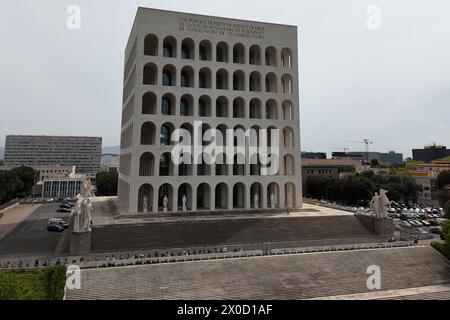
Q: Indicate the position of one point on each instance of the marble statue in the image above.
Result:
(184, 200)
(165, 203)
(385, 203)
(145, 204)
(374, 205)
(256, 201)
(380, 204)
(272, 200)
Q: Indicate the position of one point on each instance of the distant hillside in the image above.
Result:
(2, 153)
(111, 150)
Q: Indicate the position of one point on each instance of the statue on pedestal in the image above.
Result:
(145, 204)
(184, 200)
(165, 203)
(256, 200)
(380, 204)
(272, 200)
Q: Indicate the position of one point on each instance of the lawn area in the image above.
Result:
(45, 284)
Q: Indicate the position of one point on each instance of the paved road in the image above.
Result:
(31, 238)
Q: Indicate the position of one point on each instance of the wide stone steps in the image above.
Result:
(300, 276)
(115, 238)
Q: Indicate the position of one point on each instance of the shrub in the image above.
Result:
(46, 284)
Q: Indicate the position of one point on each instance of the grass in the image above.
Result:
(442, 248)
(45, 284)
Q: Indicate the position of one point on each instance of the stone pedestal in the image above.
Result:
(80, 243)
(383, 226)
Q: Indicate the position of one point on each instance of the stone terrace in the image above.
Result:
(204, 233)
(275, 277)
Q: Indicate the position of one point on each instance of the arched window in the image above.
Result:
(187, 77)
(168, 105)
(255, 81)
(170, 47)
(187, 105)
(165, 165)
(146, 165)
(222, 52)
(289, 195)
(166, 134)
(149, 103)
(286, 83)
(255, 55)
(289, 165)
(166, 191)
(145, 192)
(221, 196)
(205, 50)
(204, 78)
(286, 58)
(288, 137)
(169, 75)
(222, 79)
(239, 196)
(150, 74)
(255, 109)
(271, 57)
(222, 107)
(288, 111)
(151, 45)
(239, 53)
(187, 49)
(271, 109)
(204, 197)
(148, 134)
(204, 106)
(271, 82)
(238, 108)
(239, 80)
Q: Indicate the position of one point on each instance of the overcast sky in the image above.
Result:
(390, 85)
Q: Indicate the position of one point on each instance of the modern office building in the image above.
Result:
(195, 73)
(357, 155)
(81, 152)
(430, 153)
(314, 155)
(391, 157)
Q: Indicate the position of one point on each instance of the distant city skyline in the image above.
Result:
(388, 85)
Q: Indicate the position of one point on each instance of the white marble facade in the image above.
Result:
(226, 73)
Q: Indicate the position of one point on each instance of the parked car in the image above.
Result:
(426, 223)
(55, 228)
(64, 210)
(405, 224)
(59, 222)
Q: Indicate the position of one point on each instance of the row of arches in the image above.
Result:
(149, 166)
(238, 53)
(238, 82)
(240, 108)
(216, 197)
(148, 135)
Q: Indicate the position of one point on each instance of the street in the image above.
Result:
(31, 238)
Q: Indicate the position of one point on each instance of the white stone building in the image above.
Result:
(225, 73)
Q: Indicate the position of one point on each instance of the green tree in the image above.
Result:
(106, 183)
(16, 183)
(443, 179)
